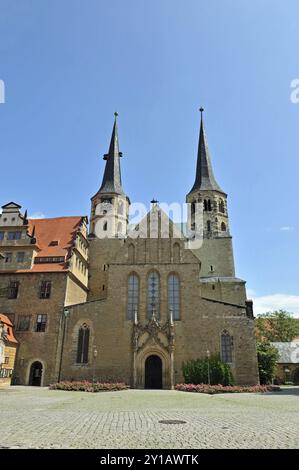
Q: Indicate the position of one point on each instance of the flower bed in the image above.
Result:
(213, 389)
(84, 386)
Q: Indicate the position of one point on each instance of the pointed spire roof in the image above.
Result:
(112, 176)
(204, 179)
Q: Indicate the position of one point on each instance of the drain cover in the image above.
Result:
(172, 421)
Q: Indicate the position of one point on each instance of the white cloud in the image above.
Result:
(37, 215)
(286, 228)
(266, 303)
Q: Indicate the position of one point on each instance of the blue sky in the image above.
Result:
(68, 65)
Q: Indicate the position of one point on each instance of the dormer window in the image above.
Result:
(54, 243)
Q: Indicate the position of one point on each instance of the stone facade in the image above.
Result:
(130, 306)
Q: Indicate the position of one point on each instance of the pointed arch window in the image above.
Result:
(226, 347)
(223, 227)
(83, 344)
(174, 295)
(153, 295)
(209, 205)
(133, 296)
(221, 206)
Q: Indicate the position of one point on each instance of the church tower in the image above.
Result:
(209, 202)
(110, 205)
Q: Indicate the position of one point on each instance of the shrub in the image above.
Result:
(267, 356)
(213, 389)
(85, 386)
(196, 371)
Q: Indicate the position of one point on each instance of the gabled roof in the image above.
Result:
(288, 352)
(12, 205)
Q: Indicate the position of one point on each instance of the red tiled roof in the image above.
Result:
(61, 229)
(8, 324)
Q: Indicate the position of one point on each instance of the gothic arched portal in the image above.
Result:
(153, 372)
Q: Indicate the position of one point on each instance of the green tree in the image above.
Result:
(278, 325)
(267, 356)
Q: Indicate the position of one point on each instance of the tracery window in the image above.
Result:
(153, 294)
(226, 347)
(133, 296)
(83, 344)
(174, 295)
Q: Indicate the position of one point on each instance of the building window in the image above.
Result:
(205, 205)
(13, 289)
(6, 360)
(226, 347)
(8, 257)
(41, 322)
(208, 225)
(23, 323)
(105, 227)
(223, 227)
(48, 259)
(153, 295)
(209, 205)
(221, 206)
(83, 345)
(45, 290)
(133, 296)
(174, 295)
(14, 235)
(2, 235)
(20, 257)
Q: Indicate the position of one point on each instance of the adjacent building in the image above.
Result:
(287, 369)
(8, 349)
(44, 269)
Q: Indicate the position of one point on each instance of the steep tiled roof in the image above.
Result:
(58, 229)
(46, 231)
(7, 326)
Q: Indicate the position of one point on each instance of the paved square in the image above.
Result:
(33, 417)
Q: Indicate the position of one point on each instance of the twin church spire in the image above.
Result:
(204, 179)
(205, 188)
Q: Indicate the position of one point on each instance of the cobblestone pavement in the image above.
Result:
(34, 417)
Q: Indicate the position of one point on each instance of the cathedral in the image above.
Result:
(103, 299)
